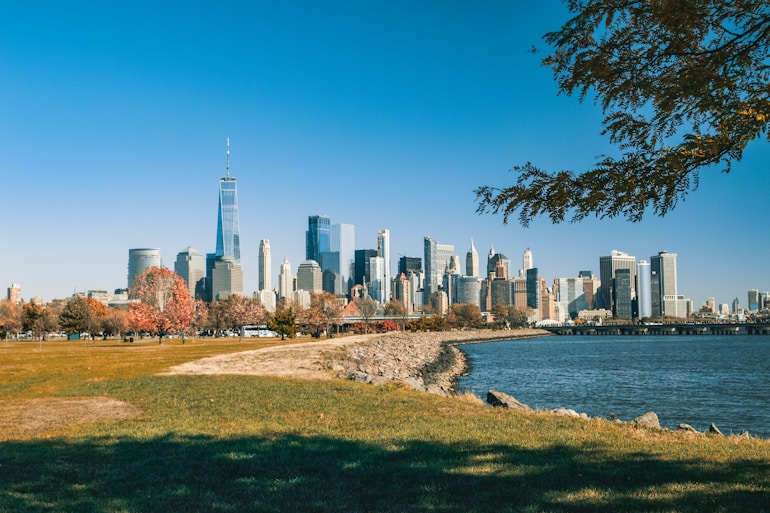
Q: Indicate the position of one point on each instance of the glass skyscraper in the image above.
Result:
(317, 237)
(228, 231)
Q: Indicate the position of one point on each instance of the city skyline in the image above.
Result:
(376, 116)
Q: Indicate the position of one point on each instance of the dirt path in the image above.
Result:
(302, 361)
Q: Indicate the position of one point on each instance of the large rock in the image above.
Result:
(649, 419)
(714, 430)
(504, 400)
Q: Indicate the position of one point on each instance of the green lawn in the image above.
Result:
(239, 443)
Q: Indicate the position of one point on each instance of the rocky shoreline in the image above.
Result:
(426, 361)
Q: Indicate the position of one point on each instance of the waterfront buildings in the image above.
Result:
(608, 267)
(191, 266)
(265, 266)
(140, 259)
(663, 269)
(644, 292)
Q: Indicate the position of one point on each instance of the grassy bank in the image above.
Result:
(241, 443)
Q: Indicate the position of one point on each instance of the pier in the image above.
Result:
(662, 329)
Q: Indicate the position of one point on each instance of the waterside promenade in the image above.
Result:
(663, 329)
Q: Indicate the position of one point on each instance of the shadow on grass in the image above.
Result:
(293, 473)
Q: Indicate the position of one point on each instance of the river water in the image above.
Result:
(696, 380)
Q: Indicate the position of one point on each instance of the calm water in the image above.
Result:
(684, 379)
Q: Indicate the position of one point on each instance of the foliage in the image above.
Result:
(233, 312)
(116, 322)
(10, 318)
(368, 308)
(284, 322)
(82, 314)
(463, 315)
(683, 86)
(509, 316)
(163, 303)
(325, 310)
(433, 323)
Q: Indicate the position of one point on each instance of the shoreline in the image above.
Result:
(426, 361)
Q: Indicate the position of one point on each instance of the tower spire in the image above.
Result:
(228, 158)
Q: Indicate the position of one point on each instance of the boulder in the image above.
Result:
(649, 420)
(565, 412)
(504, 400)
(688, 428)
(714, 430)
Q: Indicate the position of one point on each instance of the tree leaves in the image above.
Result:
(684, 87)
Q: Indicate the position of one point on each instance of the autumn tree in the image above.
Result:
(462, 315)
(324, 311)
(235, 311)
(509, 316)
(368, 308)
(82, 314)
(397, 310)
(162, 302)
(684, 86)
(116, 322)
(10, 318)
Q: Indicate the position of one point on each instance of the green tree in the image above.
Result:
(284, 322)
(77, 315)
(683, 85)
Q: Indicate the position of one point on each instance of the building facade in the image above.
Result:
(228, 228)
(226, 278)
(140, 259)
(265, 266)
(310, 277)
(317, 237)
(437, 259)
(191, 266)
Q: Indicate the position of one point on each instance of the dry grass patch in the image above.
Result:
(34, 417)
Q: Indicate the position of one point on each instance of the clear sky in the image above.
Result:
(114, 117)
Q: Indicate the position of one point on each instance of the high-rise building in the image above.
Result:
(228, 228)
(469, 290)
(140, 259)
(401, 292)
(570, 296)
(498, 259)
(317, 237)
(285, 280)
(377, 282)
(265, 266)
(14, 293)
(533, 291)
(226, 278)
(343, 242)
(526, 260)
(437, 257)
(622, 294)
(310, 277)
(663, 265)
(409, 264)
(383, 251)
(644, 289)
(472, 261)
(361, 267)
(608, 266)
(191, 267)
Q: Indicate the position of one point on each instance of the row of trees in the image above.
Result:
(162, 306)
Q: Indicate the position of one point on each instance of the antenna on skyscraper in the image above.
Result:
(228, 158)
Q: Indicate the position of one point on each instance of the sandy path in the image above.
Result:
(302, 361)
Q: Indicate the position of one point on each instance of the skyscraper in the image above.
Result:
(437, 257)
(383, 251)
(265, 265)
(285, 280)
(317, 237)
(310, 277)
(608, 266)
(140, 259)
(644, 292)
(526, 260)
(228, 230)
(664, 266)
(472, 261)
(341, 257)
(226, 278)
(191, 267)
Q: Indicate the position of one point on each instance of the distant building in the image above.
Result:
(343, 243)
(644, 289)
(317, 237)
(570, 296)
(472, 261)
(310, 277)
(437, 257)
(608, 267)
(469, 290)
(226, 278)
(361, 274)
(267, 298)
(753, 296)
(409, 264)
(285, 280)
(383, 251)
(497, 259)
(191, 267)
(377, 288)
(664, 266)
(14, 293)
(401, 292)
(533, 291)
(526, 260)
(228, 227)
(140, 259)
(265, 266)
(622, 294)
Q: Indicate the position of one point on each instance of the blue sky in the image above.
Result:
(114, 117)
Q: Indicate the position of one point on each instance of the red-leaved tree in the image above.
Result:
(163, 304)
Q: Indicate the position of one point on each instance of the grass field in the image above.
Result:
(245, 443)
